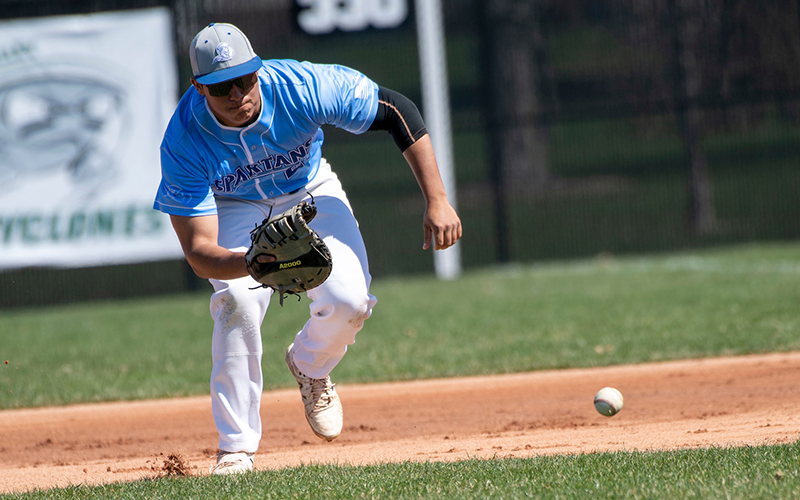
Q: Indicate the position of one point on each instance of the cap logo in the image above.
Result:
(224, 53)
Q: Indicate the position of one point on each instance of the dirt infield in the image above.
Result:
(747, 400)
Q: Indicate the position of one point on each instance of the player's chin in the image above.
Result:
(241, 115)
(241, 110)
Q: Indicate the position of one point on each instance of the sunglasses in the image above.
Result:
(222, 89)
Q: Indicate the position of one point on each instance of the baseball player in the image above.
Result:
(245, 142)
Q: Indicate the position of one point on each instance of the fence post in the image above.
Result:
(436, 105)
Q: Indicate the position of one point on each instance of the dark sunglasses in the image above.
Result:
(222, 89)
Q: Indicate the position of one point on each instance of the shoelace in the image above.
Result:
(317, 390)
(225, 465)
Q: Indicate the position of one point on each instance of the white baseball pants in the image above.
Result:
(337, 311)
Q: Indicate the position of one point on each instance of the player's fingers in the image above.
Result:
(447, 240)
(444, 240)
(456, 233)
(263, 259)
(427, 238)
(439, 238)
(449, 236)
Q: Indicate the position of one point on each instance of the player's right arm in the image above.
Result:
(198, 237)
(185, 195)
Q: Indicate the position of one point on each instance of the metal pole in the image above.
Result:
(436, 105)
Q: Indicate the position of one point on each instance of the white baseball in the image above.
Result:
(608, 401)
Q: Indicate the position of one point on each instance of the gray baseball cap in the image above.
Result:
(221, 52)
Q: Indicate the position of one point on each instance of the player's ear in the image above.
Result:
(200, 88)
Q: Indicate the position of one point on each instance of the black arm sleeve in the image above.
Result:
(398, 115)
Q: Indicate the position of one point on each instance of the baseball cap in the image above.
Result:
(221, 52)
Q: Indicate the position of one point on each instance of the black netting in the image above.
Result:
(580, 127)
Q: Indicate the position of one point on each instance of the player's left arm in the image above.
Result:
(347, 100)
(401, 118)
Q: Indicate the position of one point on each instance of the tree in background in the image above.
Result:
(516, 72)
(692, 23)
(714, 63)
(760, 58)
(517, 77)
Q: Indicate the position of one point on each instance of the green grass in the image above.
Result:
(600, 311)
(594, 312)
(555, 316)
(766, 472)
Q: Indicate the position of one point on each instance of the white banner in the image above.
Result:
(84, 101)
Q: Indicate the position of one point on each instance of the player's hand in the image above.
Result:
(441, 226)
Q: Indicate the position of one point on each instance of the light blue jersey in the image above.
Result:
(278, 154)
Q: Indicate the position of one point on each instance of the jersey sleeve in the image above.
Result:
(184, 190)
(342, 97)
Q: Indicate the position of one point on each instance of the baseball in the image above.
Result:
(608, 401)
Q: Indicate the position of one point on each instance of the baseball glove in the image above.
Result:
(302, 260)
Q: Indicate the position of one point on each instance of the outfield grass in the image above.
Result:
(763, 472)
(601, 311)
(595, 312)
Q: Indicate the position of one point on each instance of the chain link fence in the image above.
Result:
(579, 128)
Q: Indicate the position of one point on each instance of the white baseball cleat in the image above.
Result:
(232, 462)
(323, 407)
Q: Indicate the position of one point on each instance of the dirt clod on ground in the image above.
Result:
(175, 465)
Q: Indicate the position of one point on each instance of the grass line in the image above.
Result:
(762, 472)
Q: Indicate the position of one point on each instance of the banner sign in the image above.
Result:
(84, 101)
